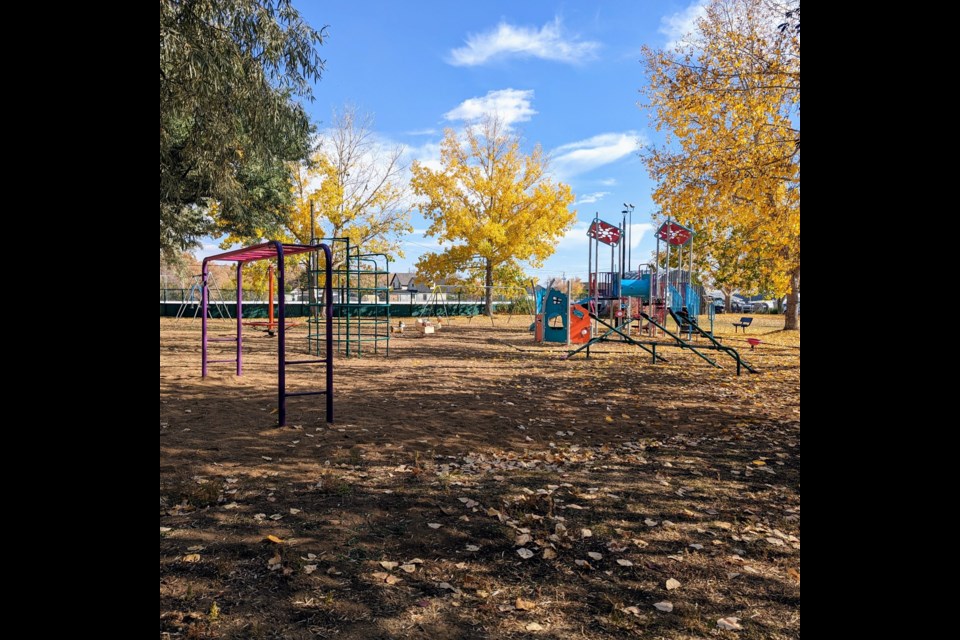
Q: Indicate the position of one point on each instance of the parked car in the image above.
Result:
(760, 306)
(736, 304)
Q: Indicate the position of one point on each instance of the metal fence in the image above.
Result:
(402, 303)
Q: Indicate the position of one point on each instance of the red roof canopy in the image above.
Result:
(260, 252)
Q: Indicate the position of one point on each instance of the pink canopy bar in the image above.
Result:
(259, 252)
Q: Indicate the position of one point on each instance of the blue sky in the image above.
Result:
(566, 75)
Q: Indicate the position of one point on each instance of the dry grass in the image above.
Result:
(679, 470)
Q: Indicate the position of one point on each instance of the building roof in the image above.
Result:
(403, 278)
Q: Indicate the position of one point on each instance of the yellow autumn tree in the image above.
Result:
(353, 187)
(357, 187)
(495, 206)
(728, 100)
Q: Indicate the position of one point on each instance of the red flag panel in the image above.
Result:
(604, 232)
(674, 234)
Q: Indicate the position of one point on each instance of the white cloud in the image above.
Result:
(576, 236)
(427, 154)
(422, 132)
(510, 105)
(582, 156)
(637, 231)
(547, 43)
(590, 198)
(677, 27)
(608, 182)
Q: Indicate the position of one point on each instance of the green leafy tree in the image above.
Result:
(230, 71)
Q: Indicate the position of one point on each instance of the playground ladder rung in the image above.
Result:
(222, 339)
(304, 393)
(306, 361)
(213, 361)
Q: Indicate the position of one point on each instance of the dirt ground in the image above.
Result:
(476, 485)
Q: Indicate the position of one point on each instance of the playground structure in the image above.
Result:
(624, 302)
(270, 325)
(559, 321)
(194, 298)
(278, 250)
(360, 283)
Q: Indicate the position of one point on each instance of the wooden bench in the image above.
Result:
(743, 324)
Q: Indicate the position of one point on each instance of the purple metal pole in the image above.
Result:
(281, 340)
(328, 313)
(239, 318)
(203, 320)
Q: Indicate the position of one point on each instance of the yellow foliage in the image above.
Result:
(729, 105)
(356, 187)
(492, 204)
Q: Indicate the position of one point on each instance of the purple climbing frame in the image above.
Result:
(274, 249)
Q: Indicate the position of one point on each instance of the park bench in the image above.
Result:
(743, 324)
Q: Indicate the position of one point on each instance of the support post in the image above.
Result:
(270, 324)
(281, 342)
(204, 293)
(239, 318)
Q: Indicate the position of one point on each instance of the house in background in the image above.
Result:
(402, 281)
(406, 288)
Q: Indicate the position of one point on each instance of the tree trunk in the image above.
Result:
(727, 301)
(488, 290)
(792, 320)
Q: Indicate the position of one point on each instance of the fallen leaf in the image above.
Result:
(392, 579)
(777, 542)
(309, 568)
(586, 533)
(650, 522)
(267, 458)
(663, 606)
(409, 568)
(275, 562)
(380, 575)
(386, 564)
(594, 555)
(624, 563)
(793, 573)
(166, 529)
(549, 554)
(634, 611)
(583, 563)
(447, 586)
(534, 626)
(672, 584)
(294, 512)
(522, 539)
(472, 547)
(415, 561)
(192, 557)
(274, 539)
(196, 547)
(698, 547)
(434, 525)
(524, 553)
(759, 463)
(729, 624)
(608, 419)
(525, 605)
